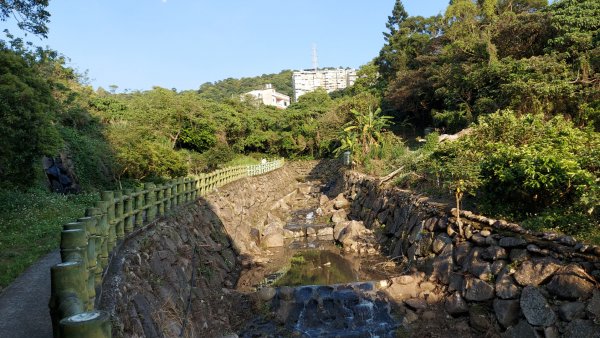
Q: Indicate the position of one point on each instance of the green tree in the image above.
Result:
(31, 15)
(399, 14)
(27, 130)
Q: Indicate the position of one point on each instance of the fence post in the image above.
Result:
(90, 228)
(150, 202)
(95, 215)
(139, 207)
(103, 231)
(109, 198)
(160, 193)
(119, 220)
(66, 287)
(128, 215)
(73, 248)
(93, 324)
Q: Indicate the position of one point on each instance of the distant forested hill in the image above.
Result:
(225, 89)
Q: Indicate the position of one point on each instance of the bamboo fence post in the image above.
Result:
(168, 189)
(139, 207)
(150, 202)
(95, 214)
(128, 211)
(67, 290)
(160, 195)
(119, 220)
(93, 324)
(109, 198)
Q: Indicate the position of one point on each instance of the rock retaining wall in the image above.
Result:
(534, 284)
(184, 269)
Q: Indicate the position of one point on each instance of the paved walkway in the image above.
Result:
(24, 303)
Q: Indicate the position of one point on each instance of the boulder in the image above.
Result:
(507, 311)
(594, 304)
(536, 308)
(416, 303)
(478, 290)
(535, 272)
(442, 265)
(521, 330)
(582, 328)
(327, 231)
(323, 200)
(456, 305)
(571, 310)
(350, 234)
(493, 253)
(339, 216)
(571, 282)
(505, 286)
(479, 318)
(440, 241)
(340, 202)
(338, 228)
(512, 242)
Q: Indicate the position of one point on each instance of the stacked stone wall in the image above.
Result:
(535, 283)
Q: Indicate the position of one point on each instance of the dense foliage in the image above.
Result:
(481, 56)
(525, 77)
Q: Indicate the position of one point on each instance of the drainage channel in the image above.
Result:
(320, 291)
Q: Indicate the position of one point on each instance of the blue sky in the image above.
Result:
(138, 44)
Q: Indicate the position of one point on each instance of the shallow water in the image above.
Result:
(318, 267)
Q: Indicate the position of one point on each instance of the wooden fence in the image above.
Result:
(86, 245)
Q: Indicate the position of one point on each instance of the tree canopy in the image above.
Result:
(30, 15)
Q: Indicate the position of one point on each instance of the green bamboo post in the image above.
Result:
(90, 227)
(160, 193)
(197, 190)
(109, 197)
(139, 207)
(119, 219)
(168, 198)
(181, 191)
(186, 189)
(66, 292)
(102, 229)
(150, 202)
(92, 324)
(128, 212)
(173, 193)
(95, 214)
(73, 248)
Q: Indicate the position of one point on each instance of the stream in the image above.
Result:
(312, 288)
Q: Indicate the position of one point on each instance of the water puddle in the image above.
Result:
(318, 267)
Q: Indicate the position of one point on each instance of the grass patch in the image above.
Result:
(30, 224)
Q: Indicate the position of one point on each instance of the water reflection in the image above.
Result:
(318, 267)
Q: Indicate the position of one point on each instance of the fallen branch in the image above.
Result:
(390, 175)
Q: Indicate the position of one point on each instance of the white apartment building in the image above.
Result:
(305, 81)
(270, 97)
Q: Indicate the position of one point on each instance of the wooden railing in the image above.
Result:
(86, 245)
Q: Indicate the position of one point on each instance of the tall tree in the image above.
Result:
(31, 15)
(399, 14)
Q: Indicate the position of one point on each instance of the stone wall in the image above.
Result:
(533, 283)
(198, 250)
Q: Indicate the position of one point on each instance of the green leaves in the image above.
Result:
(527, 164)
(363, 132)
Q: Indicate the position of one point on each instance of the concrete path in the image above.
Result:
(24, 303)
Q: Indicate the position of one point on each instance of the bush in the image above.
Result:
(524, 165)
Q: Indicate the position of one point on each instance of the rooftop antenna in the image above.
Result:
(315, 60)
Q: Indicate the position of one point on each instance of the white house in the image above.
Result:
(270, 97)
